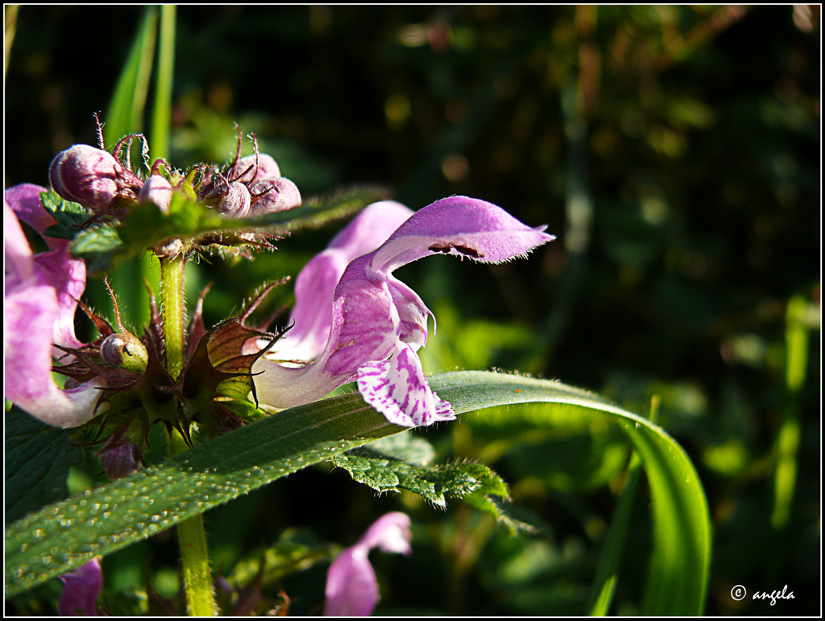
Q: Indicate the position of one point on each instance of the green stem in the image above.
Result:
(172, 305)
(197, 576)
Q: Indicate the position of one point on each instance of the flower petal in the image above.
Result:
(30, 314)
(462, 226)
(81, 589)
(315, 285)
(352, 588)
(399, 390)
(56, 268)
(24, 200)
(390, 532)
(19, 265)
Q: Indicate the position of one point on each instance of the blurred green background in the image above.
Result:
(672, 150)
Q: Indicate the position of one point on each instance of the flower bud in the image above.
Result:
(124, 351)
(120, 460)
(91, 177)
(156, 190)
(235, 203)
(244, 169)
(272, 195)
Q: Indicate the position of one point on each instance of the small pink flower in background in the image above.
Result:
(80, 591)
(352, 588)
(40, 298)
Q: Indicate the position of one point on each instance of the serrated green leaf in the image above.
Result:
(38, 458)
(405, 447)
(433, 484)
(103, 239)
(50, 542)
(68, 215)
(100, 247)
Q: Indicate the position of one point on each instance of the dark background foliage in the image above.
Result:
(672, 150)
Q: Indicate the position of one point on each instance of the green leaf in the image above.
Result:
(125, 114)
(68, 215)
(51, 542)
(162, 106)
(604, 584)
(295, 551)
(317, 211)
(31, 480)
(433, 484)
(405, 447)
(146, 226)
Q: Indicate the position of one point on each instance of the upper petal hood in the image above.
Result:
(462, 226)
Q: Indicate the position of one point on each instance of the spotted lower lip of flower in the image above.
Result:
(375, 324)
(40, 302)
(352, 588)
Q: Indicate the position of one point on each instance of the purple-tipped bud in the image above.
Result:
(245, 171)
(156, 190)
(272, 195)
(236, 202)
(92, 177)
(120, 460)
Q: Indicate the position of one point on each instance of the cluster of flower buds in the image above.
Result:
(252, 186)
(96, 179)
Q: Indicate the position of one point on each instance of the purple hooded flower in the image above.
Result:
(352, 589)
(372, 324)
(40, 299)
(80, 591)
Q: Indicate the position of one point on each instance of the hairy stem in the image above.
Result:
(197, 576)
(172, 305)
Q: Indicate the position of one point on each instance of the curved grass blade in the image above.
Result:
(125, 114)
(66, 534)
(162, 106)
(604, 585)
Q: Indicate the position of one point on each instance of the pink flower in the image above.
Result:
(352, 589)
(40, 296)
(368, 326)
(80, 591)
